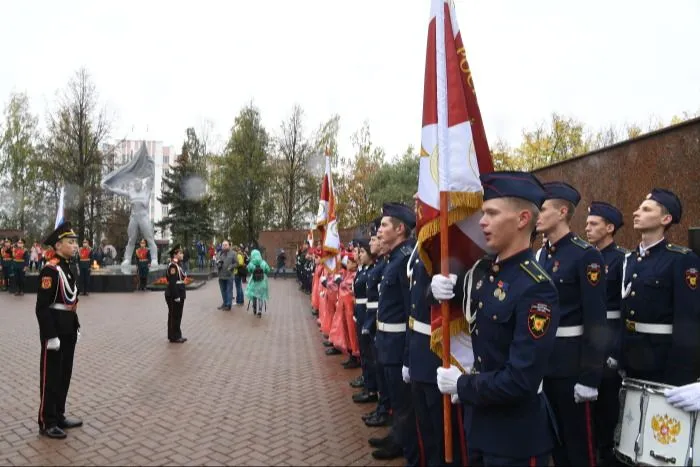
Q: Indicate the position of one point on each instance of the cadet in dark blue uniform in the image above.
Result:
(392, 322)
(661, 299)
(513, 314)
(368, 378)
(576, 367)
(603, 222)
(421, 373)
(579, 356)
(380, 416)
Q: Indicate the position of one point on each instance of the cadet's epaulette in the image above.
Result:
(535, 271)
(580, 243)
(619, 249)
(406, 250)
(678, 249)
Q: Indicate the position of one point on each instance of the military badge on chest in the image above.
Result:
(555, 268)
(538, 319)
(691, 278)
(593, 273)
(500, 292)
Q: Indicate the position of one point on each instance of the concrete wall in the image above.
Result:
(624, 174)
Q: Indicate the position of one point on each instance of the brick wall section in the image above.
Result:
(273, 240)
(624, 174)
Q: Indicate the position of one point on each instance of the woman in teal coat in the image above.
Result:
(257, 288)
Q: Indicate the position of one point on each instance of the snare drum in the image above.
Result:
(650, 431)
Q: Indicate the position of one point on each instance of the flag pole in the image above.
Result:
(445, 309)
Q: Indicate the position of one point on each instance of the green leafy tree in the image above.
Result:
(240, 180)
(395, 181)
(184, 192)
(20, 164)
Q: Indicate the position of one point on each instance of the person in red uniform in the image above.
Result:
(143, 255)
(85, 254)
(21, 263)
(6, 265)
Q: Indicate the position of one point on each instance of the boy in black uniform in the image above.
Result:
(59, 330)
(175, 295)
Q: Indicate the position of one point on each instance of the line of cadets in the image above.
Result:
(553, 332)
(15, 263)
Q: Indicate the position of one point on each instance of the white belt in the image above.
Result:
(613, 314)
(372, 305)
(646, 328)
(180, 282)
(419, 326)
(360, 301)
(570, 331)
(391, 327)
(63, 307)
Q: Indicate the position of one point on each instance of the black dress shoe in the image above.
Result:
(352, 364)
(333, 351)
(380, 442)
(327, 344)
(358, 382)
(53, 432)
(379, 420)
(369, 415)
(345, 362)
(364, 397)
(388, 453)
(70, 422)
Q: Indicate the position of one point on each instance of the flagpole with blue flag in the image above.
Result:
(59, 212)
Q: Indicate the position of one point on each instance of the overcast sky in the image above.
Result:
(169, 65)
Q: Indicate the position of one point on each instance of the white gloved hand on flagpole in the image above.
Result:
(443, 286)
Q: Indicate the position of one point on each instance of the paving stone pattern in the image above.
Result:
(241, 391)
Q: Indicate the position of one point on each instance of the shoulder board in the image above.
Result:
(678, 249)
(580, 243)
(406, 250)
(535, 271)
(619, 249)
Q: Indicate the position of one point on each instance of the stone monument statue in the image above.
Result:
(135, 181)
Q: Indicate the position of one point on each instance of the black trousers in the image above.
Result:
(427, 400)
(19, 275)
(84, 280)
(142, 282)
(576, 422)
(174, 317)
(607, 411)
(404, 428)
(367, 361)
(55, 371)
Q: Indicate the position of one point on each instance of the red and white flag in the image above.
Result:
(454, 152)
(326, 221)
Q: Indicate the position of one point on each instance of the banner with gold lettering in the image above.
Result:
(454, 151)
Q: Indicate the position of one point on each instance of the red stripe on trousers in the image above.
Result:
(589, 435)
(421, 452)
(533, 461)
(43, 389)
(462, 436)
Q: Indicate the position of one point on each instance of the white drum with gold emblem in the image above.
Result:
(650, 431)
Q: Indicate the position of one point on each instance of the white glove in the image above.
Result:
(685, 397)
(443, 286)
(365, 332)
(447, 379)
(455, 399)
(53, 344)
(584, 393)
(405, 374)
(177, 300)
(77, 339)
(612, 363)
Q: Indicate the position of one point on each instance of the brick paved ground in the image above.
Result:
(241, 391)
